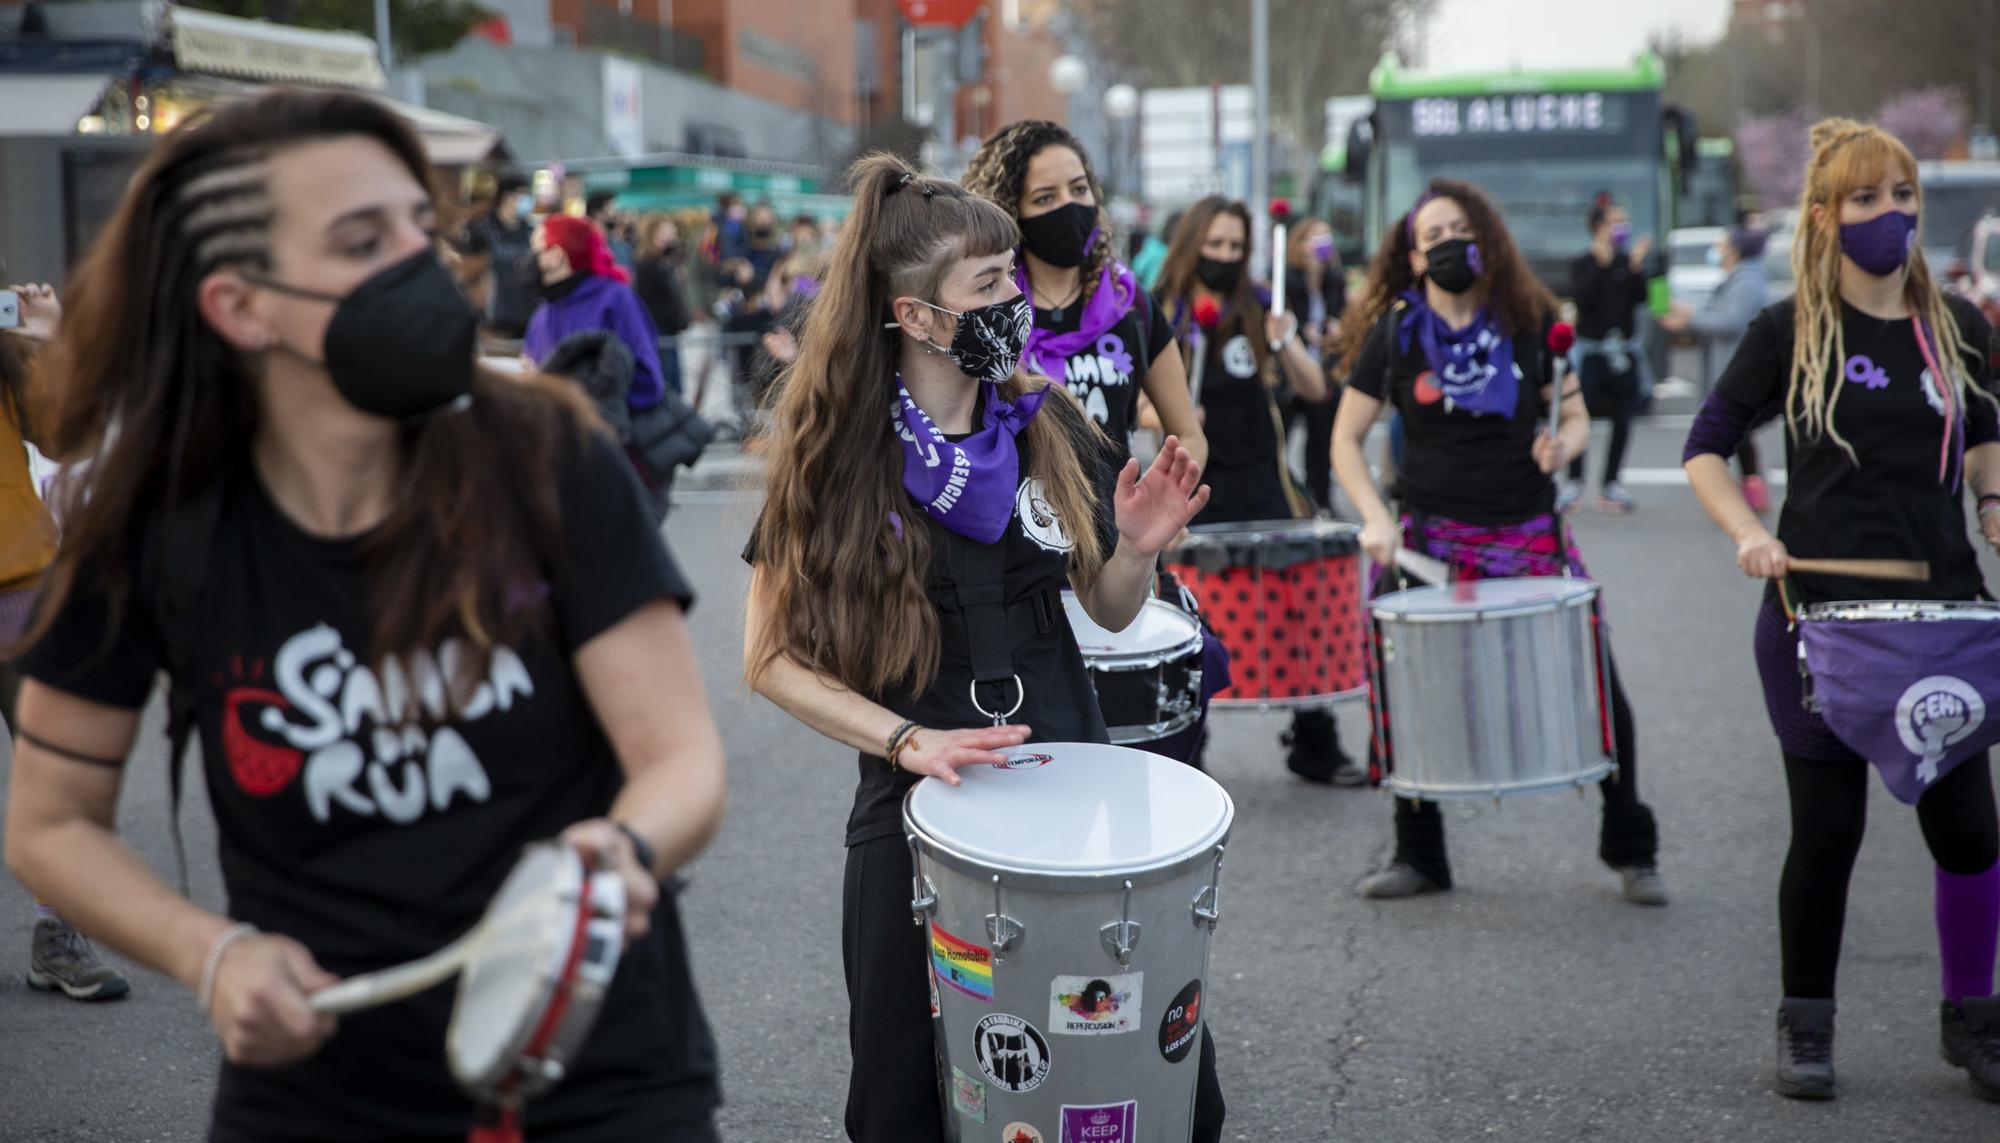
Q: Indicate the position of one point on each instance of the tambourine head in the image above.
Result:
(527, 1001)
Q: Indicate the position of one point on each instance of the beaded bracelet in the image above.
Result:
(897, 740)
(205, 994)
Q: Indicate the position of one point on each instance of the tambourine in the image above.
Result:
(532, 975)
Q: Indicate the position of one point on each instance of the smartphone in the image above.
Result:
(10, 309)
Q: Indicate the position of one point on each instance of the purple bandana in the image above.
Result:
(1473, 367)
(1914, 697)
(968, 486)
(1047, 352)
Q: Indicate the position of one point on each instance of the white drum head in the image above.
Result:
(1483, 596)
(1160, 626)
(1088, 809)
(505, 988)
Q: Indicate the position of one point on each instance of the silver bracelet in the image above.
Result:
(205, 995)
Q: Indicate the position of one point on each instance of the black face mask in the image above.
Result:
(762, 233)
(1219, 276)
(1062, 236)
(1454, 265)
(401, 344)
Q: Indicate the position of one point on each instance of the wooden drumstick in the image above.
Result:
(1431, 571)
(1909, 571)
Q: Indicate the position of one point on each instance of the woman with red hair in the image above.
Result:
(584, 291)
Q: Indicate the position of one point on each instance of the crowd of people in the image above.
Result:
(424, 575)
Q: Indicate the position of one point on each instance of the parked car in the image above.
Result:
(1694, 268)
(1957, 195)
(1981, 280)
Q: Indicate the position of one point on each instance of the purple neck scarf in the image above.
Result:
(1047, 351)
(1473, 367)
(968, 486)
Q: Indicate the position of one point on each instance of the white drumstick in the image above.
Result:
(1432, 571)
(371, 989)
(1200, 360)
(1278, 278)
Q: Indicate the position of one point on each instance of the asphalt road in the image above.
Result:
(1529, 1004)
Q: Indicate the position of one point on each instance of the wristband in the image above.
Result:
(1989, 509)
(642, 850)
(894, 745)
(1989, 498)
(205, 993)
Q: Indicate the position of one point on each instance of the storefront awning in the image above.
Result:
(451, 140)
(47, 104)
(213, 44)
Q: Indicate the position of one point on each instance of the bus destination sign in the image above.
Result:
(1570, 113)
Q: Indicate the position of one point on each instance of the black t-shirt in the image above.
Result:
(1457, 464)
(1059, 701)
(514, 298)
(1889, 505)
(1106, 375)
(1607, 297)
(374, 841)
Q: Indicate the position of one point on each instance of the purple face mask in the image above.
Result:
(1882, 244)
(1621, 233)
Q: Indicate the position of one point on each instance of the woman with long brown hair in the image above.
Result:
(914, 470)
(1884, 381)
(1452, 330)
(417, 613)
(1096, 330)
(1247, 355)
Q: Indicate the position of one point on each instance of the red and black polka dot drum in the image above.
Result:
(1285, 598)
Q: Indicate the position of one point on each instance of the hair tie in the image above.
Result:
(908, 178)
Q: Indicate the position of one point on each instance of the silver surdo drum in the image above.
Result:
(1148, 676)
(1068, 900)
(1490, 688)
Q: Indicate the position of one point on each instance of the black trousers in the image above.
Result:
(1829, 815)
(1628, 835)
(894, 1094)
(1613, 397)
(1318, 418)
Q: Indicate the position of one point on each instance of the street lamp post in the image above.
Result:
(1260, 138)
(1121, 103)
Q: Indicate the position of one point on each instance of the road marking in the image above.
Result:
(1668, 477)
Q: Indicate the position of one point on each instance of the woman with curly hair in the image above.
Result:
(1096, 331)
(1452, 330)
(1884, 382)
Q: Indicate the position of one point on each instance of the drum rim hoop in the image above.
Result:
(1071, 881)
(1115, 662)
(572, 890)
(1980, 609)
(1591, 590)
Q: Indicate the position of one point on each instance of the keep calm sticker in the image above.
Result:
(1106, 1123)
(1095, 1005)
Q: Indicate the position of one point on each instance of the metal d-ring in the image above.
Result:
(1002, 931)
(1122, 935)
(1020, 696)
(923, 896)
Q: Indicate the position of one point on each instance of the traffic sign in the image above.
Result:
(940, 13)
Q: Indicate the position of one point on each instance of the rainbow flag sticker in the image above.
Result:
(962, 965)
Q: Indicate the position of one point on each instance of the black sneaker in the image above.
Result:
(1970, 1038)
(60, 958)
(1805, 1049)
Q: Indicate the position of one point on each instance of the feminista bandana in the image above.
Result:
(1473, 367)
(968, 486)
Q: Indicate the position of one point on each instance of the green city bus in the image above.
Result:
(1543, 145)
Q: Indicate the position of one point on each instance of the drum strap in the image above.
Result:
(979, 574)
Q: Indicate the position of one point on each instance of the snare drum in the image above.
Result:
(1069, 900)
(1148, 676)
(1285, 597)
(1490, 688)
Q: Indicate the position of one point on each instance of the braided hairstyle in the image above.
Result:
(1846, 155)
(999, 172)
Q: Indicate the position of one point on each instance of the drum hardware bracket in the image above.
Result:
(1002, 931)
(999, 719)
(1122, 935)
(923, 895)
(1208, 903)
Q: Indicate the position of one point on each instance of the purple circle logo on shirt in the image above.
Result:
(1862, 370)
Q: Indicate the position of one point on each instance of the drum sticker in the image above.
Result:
(1024, 762)
(1019, 1133)
(1110, 1123)
(930, 977)
(962, 965)
(1039, 521)
(1011, 1053)
(968, 1096)
(1095, 1005)
(1180, 1022)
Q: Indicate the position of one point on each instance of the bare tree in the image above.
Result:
(1319, 49)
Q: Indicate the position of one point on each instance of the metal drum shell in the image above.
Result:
(1063, 915)
(1130, 683)
(1487, 701)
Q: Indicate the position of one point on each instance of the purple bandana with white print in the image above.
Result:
(1473, 367)
(1914, 697)
(968, 486)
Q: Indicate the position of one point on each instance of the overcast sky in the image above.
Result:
(1490, 34)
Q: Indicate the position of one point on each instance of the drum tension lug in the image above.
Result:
(1002, 931)
(923, 895)
(1208, 902)
(1122, 935)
